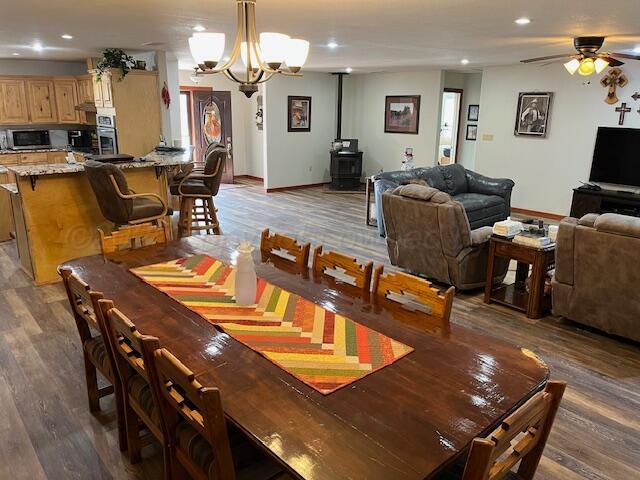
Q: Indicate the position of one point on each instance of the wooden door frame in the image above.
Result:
(461, 92)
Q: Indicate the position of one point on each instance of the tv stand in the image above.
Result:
(604, 201)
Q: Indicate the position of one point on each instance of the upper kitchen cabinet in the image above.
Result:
(13, 101)
(102, 91)
(66, 100)
(42, 104)
(85, 89)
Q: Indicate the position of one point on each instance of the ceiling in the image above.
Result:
(374, 35)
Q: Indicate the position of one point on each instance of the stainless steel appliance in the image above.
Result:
(28, 139)
(107, 137)
(84, 140)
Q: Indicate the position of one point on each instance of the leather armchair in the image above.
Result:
(598, 272)
(428, 233)
(485, 200)
(117, 202)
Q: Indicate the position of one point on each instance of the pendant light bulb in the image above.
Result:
(587, 67)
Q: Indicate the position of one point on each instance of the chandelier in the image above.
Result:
(263, 56)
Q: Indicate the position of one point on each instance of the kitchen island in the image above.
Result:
(56, 215)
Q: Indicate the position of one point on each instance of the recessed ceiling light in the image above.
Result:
(15, 54)
(37, 46)
(199, 28)
(464, 61)
(66, 36)
(349, 70)
(332, 45)
(523, 21)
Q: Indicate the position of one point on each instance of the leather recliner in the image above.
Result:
(428, 233)
(485, 200)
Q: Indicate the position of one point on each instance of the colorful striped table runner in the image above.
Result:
(324, 350)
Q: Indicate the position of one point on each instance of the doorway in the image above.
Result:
(449, 126)
(205, 119)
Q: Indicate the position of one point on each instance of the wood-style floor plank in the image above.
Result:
(47, 431)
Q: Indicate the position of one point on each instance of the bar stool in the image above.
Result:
(200, 185)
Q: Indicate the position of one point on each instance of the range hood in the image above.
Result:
(86, 107)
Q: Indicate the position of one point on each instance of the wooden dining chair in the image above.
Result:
(415, 292)
(201, 445)
(343, 268)
(277, 244)
(138, 398)
(135, 236)
(521, 437)
(97, 355)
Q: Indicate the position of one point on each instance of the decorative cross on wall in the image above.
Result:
(612, 80)
(623, 109)
(635, 96)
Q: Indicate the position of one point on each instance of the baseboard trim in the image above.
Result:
(296, 187)
(250, 177)
(535, 213)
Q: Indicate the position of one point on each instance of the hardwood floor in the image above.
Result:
(46, 430)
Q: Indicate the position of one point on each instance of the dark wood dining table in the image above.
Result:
(406, 421)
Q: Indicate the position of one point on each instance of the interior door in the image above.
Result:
(212, 122)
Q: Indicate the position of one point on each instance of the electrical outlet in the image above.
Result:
(487, 137)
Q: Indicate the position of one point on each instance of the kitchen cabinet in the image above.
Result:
(13, 101)
(102, 91)
(66, 92)
(9, 159)
(85, 89)
(42, 103)
(6, 217)
(56, 157)
(34, 158)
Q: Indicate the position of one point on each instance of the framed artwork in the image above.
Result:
(532, 116)
(472, 132)
(474, 113)
(402, 114)
(299, 112)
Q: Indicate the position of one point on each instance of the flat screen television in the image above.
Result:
(616, 157)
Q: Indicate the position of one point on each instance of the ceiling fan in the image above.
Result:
(587, 60)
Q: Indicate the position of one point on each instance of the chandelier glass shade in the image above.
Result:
(262, 56)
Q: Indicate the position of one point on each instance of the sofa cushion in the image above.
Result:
(140, 391)
(477, 201)
(97, 351)
(588, 220)
(420, 192)
(455, 179)
(618, 224)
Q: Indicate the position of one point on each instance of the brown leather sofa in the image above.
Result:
(428, 233)
(598, 273)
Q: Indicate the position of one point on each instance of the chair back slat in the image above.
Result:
(273, 244)
(134, 236)
(126, 341)
(343, 268)
(521, 437)
(201, 407)
(402, 286)
(83, 303)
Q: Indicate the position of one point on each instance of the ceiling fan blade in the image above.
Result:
(625, 55)
(613, 62)
(550, 57)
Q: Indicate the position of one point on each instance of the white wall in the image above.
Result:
(167, 65)
(472, 86)
(546, 170)
(41, 67)
(363, 117)
(299, 158)
(240, 109)
(255, 157)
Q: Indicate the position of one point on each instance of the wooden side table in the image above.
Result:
(368, 193)
(533, 303)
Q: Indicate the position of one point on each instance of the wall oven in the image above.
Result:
(107, 137)
(28, 139)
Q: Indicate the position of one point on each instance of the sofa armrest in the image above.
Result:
(489, 186)
(480, 235)
(565, 251)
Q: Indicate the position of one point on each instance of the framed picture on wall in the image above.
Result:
(472, 132)
(402, 114)
(299, 112)
(473, 113)
(532, 116)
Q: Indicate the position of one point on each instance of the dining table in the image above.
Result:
(408, 420)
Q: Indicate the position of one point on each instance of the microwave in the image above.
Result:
(28, 139)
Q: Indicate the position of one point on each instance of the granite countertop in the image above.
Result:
(152, 159)
(10, 187)
(35, 150)
(3, 169)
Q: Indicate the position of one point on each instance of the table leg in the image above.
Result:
(368, 187)
(522, 272)
(536, 287)
(490, 263)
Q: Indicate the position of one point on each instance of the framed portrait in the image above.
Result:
(402, 114)
(532, 116)
(299, 111)
(473, 114)
(472, 132)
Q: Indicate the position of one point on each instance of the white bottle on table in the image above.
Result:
(246, 280)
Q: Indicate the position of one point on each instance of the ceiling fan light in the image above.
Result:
(274, 47)
(206, 47)
(601, 64)
(587, 67)
(572, 65)
(297, 53)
